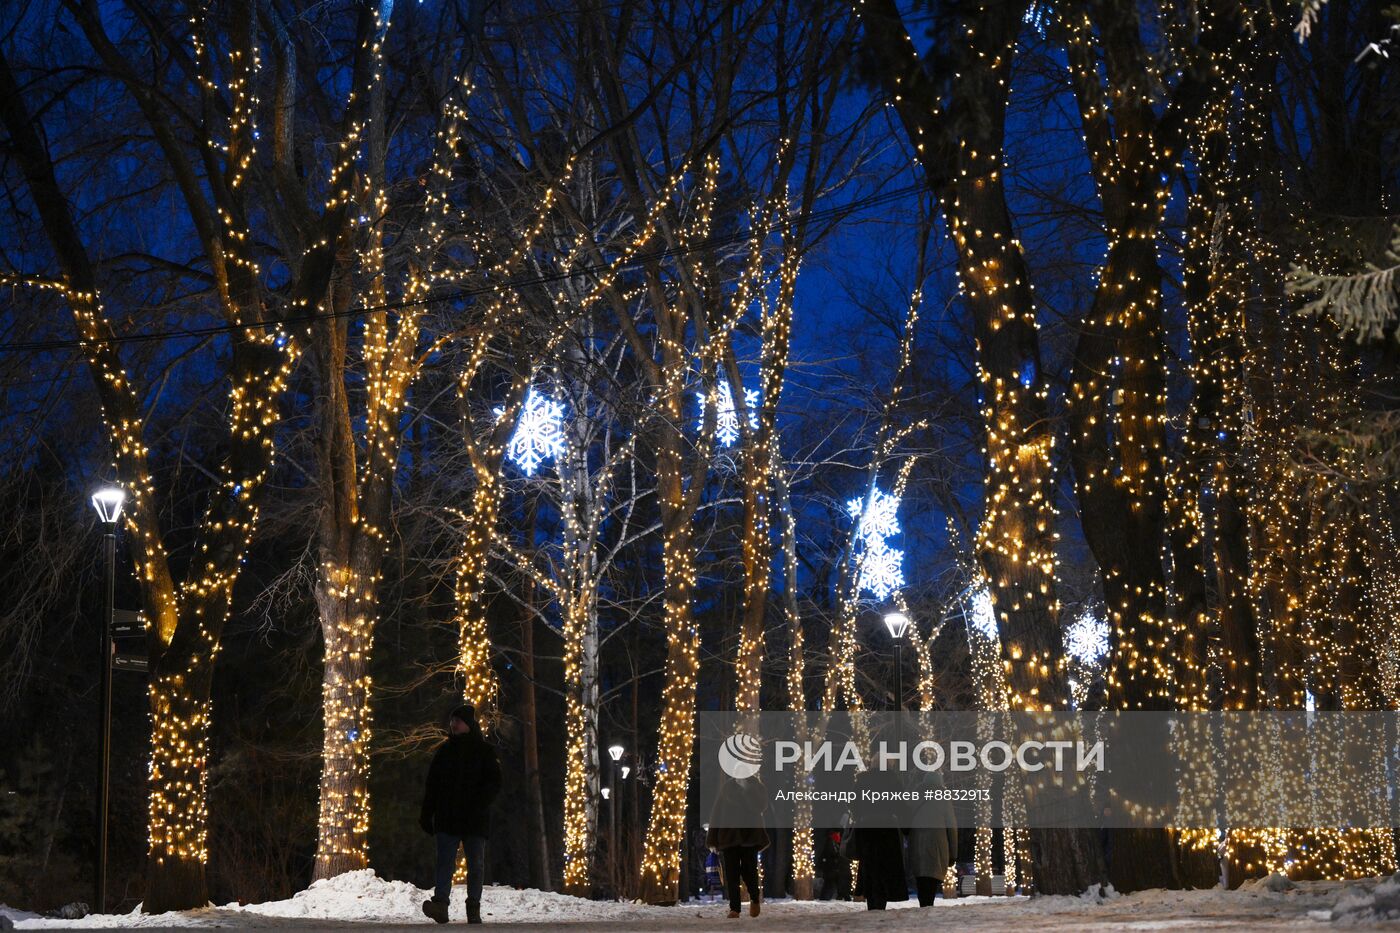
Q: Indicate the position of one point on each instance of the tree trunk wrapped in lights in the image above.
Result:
(356, 474)
(803, 862)
(959, 146)
(581, 780)
(1117, 397)
(186, 618)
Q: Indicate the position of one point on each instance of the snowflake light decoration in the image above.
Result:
(1038, 16)
(881, 566)
(980, 613)
(881, 569)
(879, 517)
(1086, 639)
(727, 419)
(540, 434)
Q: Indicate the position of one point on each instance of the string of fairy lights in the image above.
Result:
(1282, 640)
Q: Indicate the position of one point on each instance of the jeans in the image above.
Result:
(475, 847)
(741, 862)
(927, 887)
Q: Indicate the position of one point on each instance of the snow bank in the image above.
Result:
(1277, 883)
(362, 896)
(1380, 903)
(14, 914)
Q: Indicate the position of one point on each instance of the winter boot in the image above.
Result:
(436, 909)
(753, 904)
(473, 910)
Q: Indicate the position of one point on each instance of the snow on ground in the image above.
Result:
(360, 898)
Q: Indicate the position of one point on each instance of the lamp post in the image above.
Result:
(108, 503)
(898, 623)
(615, 753)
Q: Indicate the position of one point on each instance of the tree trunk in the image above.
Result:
(581, 787)
(666, 830)
(803, 866)
(538, 841)
(479, 683)
(343, 824)
(178, 821)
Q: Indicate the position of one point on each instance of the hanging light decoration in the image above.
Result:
(979, 613)
(539, 436)
(881, 566)
(1086, 639)
(726, 418)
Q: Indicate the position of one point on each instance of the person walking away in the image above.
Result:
(737, 832)
(933, 842)
(879, 845)
(463, 779)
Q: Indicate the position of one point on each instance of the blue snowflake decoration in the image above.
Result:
(881, 566)
(727, 419)
(539, 436)
(1086, 639)
(881, 569)
(879, 515)
(980, 613)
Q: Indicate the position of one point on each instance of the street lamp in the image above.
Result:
(626, 770)
(615, 751)
(108, 502)
(898, 623)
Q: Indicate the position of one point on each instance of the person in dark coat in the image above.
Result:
(462, 781)
(881, 865)
(833, 867)
(933, 843)
(737, 832)
(880, 851)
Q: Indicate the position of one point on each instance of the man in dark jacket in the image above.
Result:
(462, 781)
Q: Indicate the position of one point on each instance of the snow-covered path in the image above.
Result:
(360, 900)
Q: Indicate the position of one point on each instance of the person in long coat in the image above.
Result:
(463, 779)
(737, 831)
(880, 851)
(933, 844)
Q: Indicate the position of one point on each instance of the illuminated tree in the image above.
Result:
(581, 488)
(952, 106)
(358, 434)
(186, 616)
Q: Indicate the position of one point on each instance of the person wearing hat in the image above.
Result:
(462, 781)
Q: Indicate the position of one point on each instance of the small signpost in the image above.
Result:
(130, 624)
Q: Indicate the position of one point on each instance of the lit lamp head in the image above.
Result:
(615, 752)
(607, 792)
(897, 623)
(108, 502)
(626, 770)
